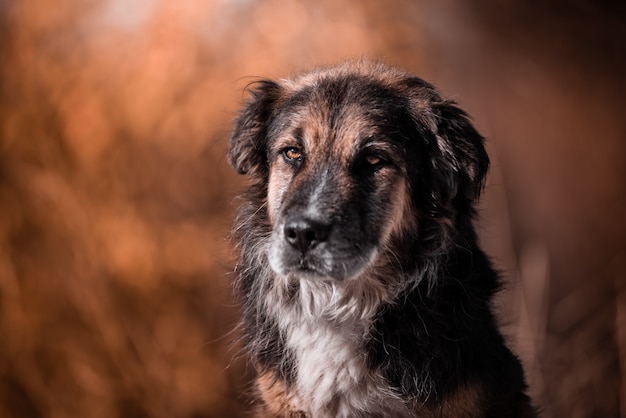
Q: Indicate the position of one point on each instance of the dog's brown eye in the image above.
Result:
(292, 154)
(373, 160)
(370, 163)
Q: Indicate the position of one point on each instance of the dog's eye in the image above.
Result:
(292, 154)
(374, 162)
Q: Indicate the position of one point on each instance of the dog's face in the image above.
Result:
(350, 159)
(336, 185)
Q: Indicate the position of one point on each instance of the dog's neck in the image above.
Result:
(325, 326)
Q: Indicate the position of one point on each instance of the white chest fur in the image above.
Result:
(326, 332)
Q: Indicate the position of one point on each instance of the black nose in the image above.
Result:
(303, 233)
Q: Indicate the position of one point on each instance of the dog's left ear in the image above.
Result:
(457, 156)
(460, 161)
(247, 145)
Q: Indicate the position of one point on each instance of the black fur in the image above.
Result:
(438, 336)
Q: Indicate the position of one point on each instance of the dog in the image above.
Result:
(364, 291)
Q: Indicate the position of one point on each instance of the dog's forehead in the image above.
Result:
(336, 114)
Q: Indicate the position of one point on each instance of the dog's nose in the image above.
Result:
(303, 233)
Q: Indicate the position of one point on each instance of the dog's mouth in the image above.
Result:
(310, 271)
(305, 271)
(305, 266)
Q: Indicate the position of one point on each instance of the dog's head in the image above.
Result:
(351, 158)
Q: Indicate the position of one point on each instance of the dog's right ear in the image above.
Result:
(247, 145)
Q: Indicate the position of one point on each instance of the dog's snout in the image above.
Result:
(303, 233)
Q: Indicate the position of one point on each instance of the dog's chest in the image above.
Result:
(328, 362)
(332, 375)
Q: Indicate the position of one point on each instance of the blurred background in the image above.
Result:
(116, 199)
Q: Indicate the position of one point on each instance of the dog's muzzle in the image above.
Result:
(315, 249)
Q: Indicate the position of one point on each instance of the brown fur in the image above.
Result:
(276, 402)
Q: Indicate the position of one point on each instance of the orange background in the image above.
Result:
(116, 200)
